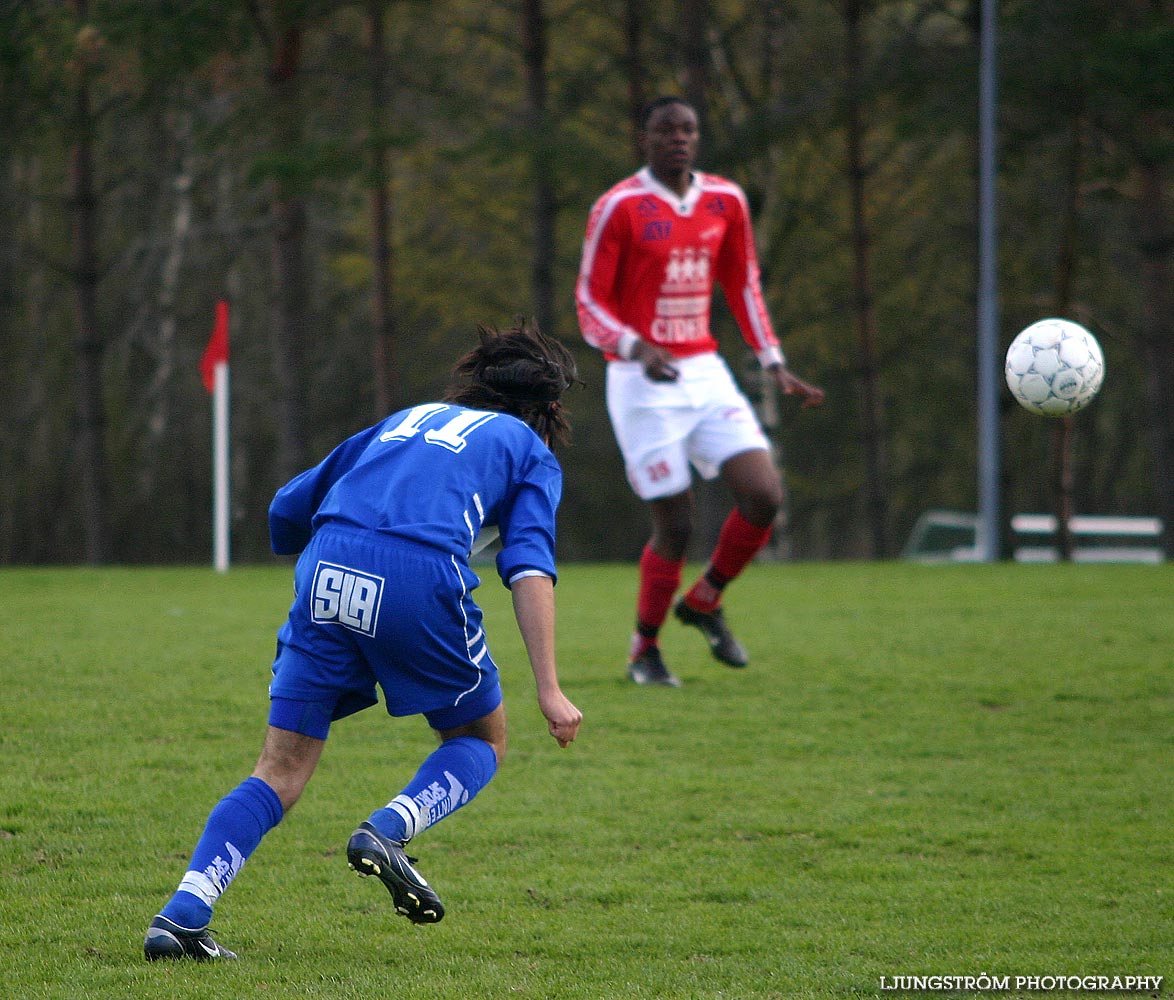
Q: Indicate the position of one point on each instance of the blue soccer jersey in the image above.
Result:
(435, 474)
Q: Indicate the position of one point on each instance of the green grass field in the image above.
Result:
(926, 770)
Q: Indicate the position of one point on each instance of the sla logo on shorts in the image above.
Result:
(348, 597)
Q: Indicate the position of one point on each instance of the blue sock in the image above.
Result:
(455, 771)
(233, 831)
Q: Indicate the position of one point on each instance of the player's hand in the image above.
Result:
(657, 362)
(561, 716)
(793, 385)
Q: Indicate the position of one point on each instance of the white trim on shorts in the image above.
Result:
(665, 428)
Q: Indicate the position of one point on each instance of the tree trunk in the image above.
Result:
(534, 53)
(1156, 340)
(634, 69)
(1063, 481)
(694, 25)
(90, 344)
(382, 277)
(288, 322)
(160, 393)
(768, 231)
(871, 405)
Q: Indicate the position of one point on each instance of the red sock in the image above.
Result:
(659, 580)
(739, 542)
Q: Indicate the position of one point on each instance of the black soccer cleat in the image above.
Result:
(166, 939)
(370, 853)
(717, 633)
(649, 668)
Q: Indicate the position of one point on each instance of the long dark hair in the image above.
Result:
(519, 371)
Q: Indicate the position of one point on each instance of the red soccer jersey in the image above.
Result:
(650, 259)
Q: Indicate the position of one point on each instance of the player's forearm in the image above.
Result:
(534, 611)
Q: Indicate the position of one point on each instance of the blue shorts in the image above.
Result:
(369, 610)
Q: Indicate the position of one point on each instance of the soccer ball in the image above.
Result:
(1054, 367)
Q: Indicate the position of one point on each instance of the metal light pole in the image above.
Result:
(987, 535)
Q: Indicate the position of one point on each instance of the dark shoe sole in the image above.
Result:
(734, 655)
(368, 855)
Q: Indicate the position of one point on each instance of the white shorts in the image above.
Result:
(662, 428)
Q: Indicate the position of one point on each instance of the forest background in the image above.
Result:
(365, 182)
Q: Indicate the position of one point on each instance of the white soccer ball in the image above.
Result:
(1054, 367)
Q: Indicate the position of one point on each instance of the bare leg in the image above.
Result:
(287, 762)
(491, 728)
(754, 480)
(672, 525)
(758, 494)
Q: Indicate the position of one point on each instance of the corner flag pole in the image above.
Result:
(214, 370)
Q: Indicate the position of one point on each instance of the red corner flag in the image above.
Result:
(217, 350)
